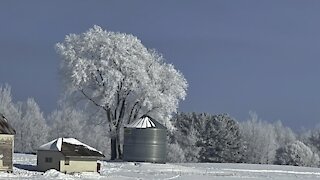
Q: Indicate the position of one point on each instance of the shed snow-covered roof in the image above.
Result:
(5, 127)
(71, 147)
(146, 122)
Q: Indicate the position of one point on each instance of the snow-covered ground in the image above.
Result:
(25, 168)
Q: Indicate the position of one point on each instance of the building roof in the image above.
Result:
(146, 122)
(71, 147)
(5, 127)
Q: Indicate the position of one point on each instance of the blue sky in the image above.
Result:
(237, 56)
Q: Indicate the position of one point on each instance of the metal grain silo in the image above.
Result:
(145, 140)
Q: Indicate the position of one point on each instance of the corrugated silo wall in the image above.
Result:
(145, 145)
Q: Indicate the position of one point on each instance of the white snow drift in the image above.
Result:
(24, 168)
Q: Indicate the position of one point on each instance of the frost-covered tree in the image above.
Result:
(117, 74)
(186, 135)
(7, 106)
(297, 154)
(283, 135)
(97, 136)
(31, 129)
(312, 139)
(67, 122)
(260, 140)
(26, 118)
(221, 140)
(263, 139)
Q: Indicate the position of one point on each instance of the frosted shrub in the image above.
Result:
(175, 153)
(296, 154)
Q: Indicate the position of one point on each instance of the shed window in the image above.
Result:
(48, 159)
(66, 161)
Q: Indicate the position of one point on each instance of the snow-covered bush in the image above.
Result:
(297, 154)
(175, 153)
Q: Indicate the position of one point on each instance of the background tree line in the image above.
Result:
(201, 137)
(195, 137)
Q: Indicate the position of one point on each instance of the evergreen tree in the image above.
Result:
(208, 138)
(221, 140)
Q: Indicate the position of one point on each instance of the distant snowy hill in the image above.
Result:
(25, 168)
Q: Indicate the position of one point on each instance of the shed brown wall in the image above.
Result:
(6, 152)
(42, 165)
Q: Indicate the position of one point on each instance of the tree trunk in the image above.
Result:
(113, 148)
(119, 147)
(116, 152)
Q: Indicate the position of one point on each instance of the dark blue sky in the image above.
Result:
(237, 56)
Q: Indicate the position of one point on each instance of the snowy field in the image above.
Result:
(25, 168)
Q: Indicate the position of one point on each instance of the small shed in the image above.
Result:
(145, 140)
(68, 155)
(6, 144)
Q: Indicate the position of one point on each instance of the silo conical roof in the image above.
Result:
(146, 122)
